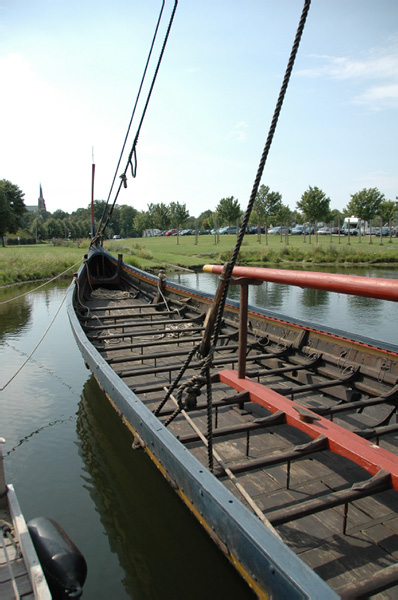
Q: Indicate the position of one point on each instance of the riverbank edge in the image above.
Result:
(172, 268)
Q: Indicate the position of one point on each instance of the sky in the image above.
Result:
(70, 73)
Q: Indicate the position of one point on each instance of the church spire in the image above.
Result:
(41, 202)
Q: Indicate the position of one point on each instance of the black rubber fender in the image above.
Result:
(63, 564)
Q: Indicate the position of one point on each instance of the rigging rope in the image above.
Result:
(263, 160)
(133, 154)
(207, 359)
(133, 113)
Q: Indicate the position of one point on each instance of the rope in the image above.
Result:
(38, 343)
(133, 113)
(205, 371)
(132, 155)
(40, 286)
(7, 533)
(263, 160)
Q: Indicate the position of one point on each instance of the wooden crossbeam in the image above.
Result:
(340, 441)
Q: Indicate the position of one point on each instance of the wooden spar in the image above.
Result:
(92, 200)
(371, 287)
(212, 314)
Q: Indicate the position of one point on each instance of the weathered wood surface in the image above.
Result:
(344, 544)
(14, 578)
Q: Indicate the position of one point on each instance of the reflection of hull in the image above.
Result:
(145, 525)
(305, 463)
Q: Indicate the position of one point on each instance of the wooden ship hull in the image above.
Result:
(288, 460)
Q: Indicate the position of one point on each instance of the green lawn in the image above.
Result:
(28, 263)
(185, 252)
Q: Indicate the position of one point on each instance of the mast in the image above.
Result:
(92, 199)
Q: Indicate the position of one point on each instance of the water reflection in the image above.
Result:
(376, 319)
(146, 523)
(13, 319)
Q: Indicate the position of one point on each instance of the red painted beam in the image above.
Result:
(364, 453)
(371, 287)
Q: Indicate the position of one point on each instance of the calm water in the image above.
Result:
(70, 458)
(376, 319)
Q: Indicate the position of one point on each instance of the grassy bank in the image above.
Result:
(29, 263)
(149, 253)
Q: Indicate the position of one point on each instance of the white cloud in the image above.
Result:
(379, 66)
(238, 132)
(378, 97)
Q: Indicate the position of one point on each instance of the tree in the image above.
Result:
(178, 214)
(161, 215)
(315, 205)
(387, 210)
(203, 219)
(228, 210)
(12, 208)
(142, 221)
(283, 215)
(266, 205)
(54, 228)
(127, 215)
(365, 204)
(335, 215)
(37, 228)
(59, 214)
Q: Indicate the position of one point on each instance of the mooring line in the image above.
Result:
(40, 286)
(39, 342)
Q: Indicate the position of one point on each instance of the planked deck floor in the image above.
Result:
(14, 577)
(343, 543)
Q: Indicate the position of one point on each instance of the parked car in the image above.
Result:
(297, 230)
(170, 232)
(352, 230)
(228, 230)
(187, 232)
(278, 230)
(324, 231)
(382, 231)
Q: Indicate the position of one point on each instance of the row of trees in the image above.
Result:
(268, 209)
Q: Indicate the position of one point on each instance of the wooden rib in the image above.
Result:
(231, 476)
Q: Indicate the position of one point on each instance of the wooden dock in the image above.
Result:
(21, 575)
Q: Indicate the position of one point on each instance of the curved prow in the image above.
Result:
(103, 271)
(371, 287)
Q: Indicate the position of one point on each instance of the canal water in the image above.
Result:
(368, 317)
(70, 458)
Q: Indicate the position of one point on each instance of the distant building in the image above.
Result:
(41, 203)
